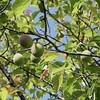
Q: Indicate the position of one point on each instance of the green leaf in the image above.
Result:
(57, 81)
(75, 6)
(69, 46)
(98, 1)
(39, 93)
(42, 24)
(34, 3)
(3, 94)
(16, 98)
(93, 69)
(66, 97)
(91, 89)
(19, 6)
(17, 71)
(41, 7)
(69, 84)
(49, 56)
(35, 14)
(57, 70)
(88, 33)
(78, 93)
(3, 19)
(97, 93)
(96, 39)
(29, 85)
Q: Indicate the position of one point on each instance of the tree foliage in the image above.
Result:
(65, 29)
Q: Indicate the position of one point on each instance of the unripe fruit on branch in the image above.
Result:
(25, 41)
(34, 59)
(85, 58)
(18, 59)
(37, 49)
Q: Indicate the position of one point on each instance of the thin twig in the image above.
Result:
(63, 25)
(8, 76)
(46, 90)
(54, 45)
(37, 76)
(78, 26)
(87, 25)
(3, 9)
(45, 18)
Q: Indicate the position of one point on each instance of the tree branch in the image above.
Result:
(45, 17)
(58, 50)
(46, 90)
(7, 75)
(63, 25)
(37, 76)
(3, 9)
(86, 25)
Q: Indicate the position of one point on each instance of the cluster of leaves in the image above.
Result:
(76, 27)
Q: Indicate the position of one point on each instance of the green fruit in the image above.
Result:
(34, 59)
(86, 58)
(37, 50)
(18, 59)
(25, 41)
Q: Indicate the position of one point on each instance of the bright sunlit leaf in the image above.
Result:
(57, 81)
(19, 6)
(49, 56)
(3, 94)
